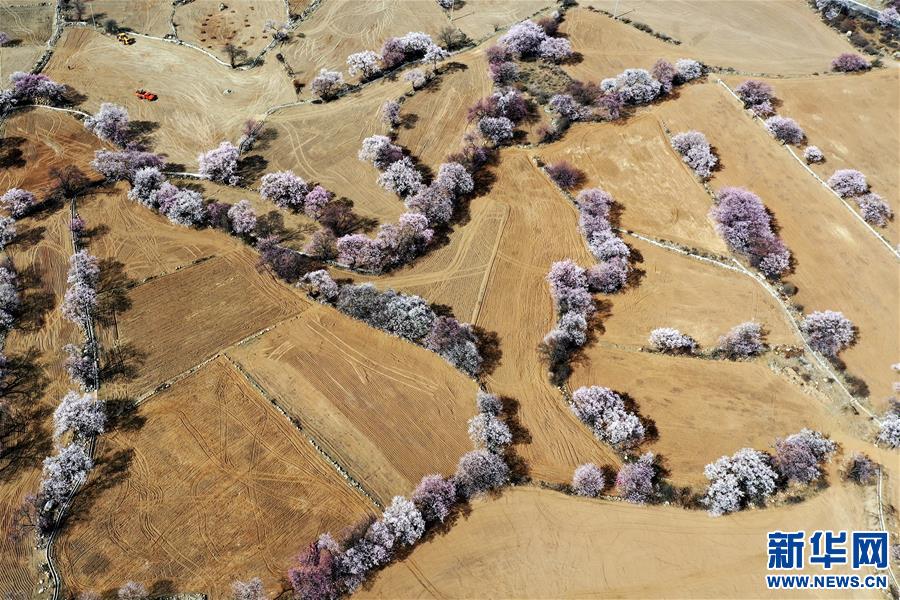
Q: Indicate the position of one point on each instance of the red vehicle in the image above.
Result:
(145, 95)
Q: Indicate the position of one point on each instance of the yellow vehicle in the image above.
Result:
(125, 39)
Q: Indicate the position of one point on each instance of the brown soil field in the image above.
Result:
(150, 17)
(241, 24)
(700, 299)
(710, 409)
(514, 302)
(336, 30)
(205, 483)
(37, 140)
(29, 25)
(456, 273)
(438, 112)
(172, 323)
(568, 547)
(836, 256)
(320, 142)
(134, 242)
(656, 191)
(480, 18)
(779, 36)
(871, 102)
(200, 103)
(387, 411)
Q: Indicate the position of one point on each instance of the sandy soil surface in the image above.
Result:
(241, 24)
(203, 484)
(570, 547)
(29, 25)
(839, 263)
(151, 17)
(852, 119)
(201, 103)
(388, 411)
(777, 36)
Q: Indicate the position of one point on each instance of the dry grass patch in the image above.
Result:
(779, 36)
(151, 17)
(558, 539)
(658, 194)
(839, 263)
(241, 24)
(203, 484)
(201, 102)
(387, 411)
(175, 322)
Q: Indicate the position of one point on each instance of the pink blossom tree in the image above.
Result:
(7, 231)
(403, 521)
(252, 589)
(828, 331)
(588, 480)
(220, 164)
(604, 412)
(123, 164)
(849, 62)
(496, 129)
(742, 221)
(380, 151)
(812, 154)
(242, 217)
(18, 202)
(316, 201)
(81, 414)
(742, 341)
(785, 129)
(327, 84)
(798, 456)
(146, 181)
(63, 472)
(565, 175)
(480, 471)
(366, 63)
(664, 72)
(110, 124)
(687, 69)
(696, 152)
(848, 182)
(488, 432)
(757, 96)
(80, 365)
(434, 497)
(555, 49)
(635, 480)
(284, 189)
(672, 341)
(735, 481)
(456, 343)
(874, 209)
(523, 39)
(390, 113)
(401, 177)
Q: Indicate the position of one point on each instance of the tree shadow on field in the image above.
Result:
(635, 274)
(113, 292)
(141, 133)
(11, 155)
(265, 138)
(519, 471)
(24, 440)
(121, 362)
(251, 167)
(489, 349)
(162, 587)
(651, 432)
(110, 470)
(36, 299)
(409, 120)
(27, 238)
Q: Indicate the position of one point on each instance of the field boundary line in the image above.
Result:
(295, 422)
(846, 204)
(881, 516)
(489, 273)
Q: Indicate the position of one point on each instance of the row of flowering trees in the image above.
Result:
(30, 88)
(329, 568)
(406, 316)
(758, 96)
(749, 476)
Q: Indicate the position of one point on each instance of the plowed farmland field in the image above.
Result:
(204, 483)
(389, 412)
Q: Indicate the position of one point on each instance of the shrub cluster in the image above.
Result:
(604, 412)
(849, 62)
(611, 274)
(574, 309)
